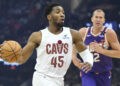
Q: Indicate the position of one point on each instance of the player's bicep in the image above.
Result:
(83, 32)
(32, 43)
(78, 41)
(113, 40)
(74, 52)
(115, 45)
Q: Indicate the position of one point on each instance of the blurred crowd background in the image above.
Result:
(19, 18)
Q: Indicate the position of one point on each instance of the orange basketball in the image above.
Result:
(11, 51)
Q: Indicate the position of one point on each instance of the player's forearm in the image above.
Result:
(26, 53)
(111, 53)
(76, 61)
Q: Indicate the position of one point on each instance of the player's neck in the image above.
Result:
(96, 30)
(55, 30)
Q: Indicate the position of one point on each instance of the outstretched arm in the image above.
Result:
(32, 43)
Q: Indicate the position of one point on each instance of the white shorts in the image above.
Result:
(44, 80)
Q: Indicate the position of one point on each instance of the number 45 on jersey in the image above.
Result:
(57, 61)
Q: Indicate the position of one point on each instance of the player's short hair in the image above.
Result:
(98, 10)
(49, 8)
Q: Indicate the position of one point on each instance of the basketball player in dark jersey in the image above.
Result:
(104, 45)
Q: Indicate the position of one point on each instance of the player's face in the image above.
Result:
(57, 16)
(98, 19)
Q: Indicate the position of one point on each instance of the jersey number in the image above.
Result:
(58, 62)
(96, 57)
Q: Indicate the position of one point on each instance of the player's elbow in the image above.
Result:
(20, 61)
(118, 54)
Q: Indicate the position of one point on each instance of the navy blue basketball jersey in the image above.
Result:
(105, 63)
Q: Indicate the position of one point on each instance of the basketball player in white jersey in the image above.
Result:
(54, 50)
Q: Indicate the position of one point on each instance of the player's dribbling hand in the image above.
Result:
(86, 67)
(80, 65)
(1, 48)
(0, 51)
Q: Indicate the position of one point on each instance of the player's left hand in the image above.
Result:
(97, 47)
(86, 67)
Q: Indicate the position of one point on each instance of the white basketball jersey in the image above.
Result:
(54, 54)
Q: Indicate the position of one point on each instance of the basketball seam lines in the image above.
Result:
(10, 51)
(7, 50)
(11, 54)
(13, 51)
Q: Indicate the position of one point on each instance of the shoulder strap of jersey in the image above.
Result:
(104, 31)
(89, 30)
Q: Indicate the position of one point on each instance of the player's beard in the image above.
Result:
(59, 25)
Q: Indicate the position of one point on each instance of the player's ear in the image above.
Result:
(48, 17)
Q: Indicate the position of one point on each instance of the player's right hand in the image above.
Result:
(1, 48)
(86, 67)
(80, 65)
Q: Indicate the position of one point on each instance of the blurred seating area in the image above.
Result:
(19, 18)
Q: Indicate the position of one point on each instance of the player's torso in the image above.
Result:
(54, 53)
(105, 63)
